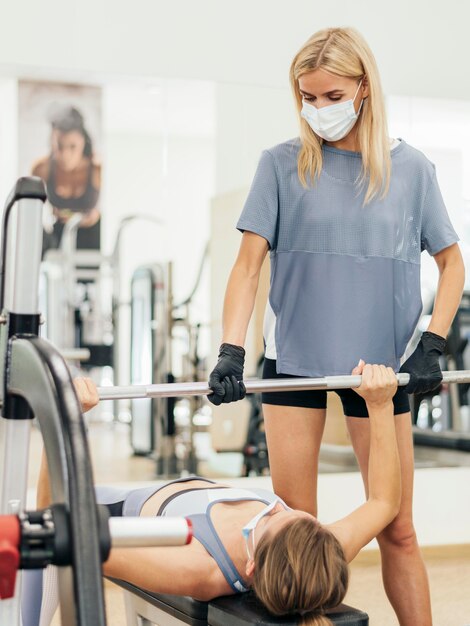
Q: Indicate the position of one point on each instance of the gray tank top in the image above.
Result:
(196, 505)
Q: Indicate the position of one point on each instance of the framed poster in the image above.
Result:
(60, 140)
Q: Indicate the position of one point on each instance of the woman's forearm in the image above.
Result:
(89, 219)
(384, 461)
(180, 570)
(448, 296)
(43, 497)
(238, 305)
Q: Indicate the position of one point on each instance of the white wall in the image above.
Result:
(441, 510)
(440, 127)
(8, 136)
(246, 47)
(249, 120)
(159, 160)
(421, 46)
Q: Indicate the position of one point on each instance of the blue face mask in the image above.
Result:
(251, 525)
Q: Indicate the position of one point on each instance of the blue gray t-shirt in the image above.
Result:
(345, 278)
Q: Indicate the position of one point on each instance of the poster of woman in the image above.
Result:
(60, 138)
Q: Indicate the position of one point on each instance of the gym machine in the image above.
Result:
(73, 289)
(36, 382)
(164, 348)
(150, 354)
(441, 417)
(255, 448)
(80, 298)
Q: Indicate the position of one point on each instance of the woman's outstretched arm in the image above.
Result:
(378, 387)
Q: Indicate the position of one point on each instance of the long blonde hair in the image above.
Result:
(344, 52)
(302, 569)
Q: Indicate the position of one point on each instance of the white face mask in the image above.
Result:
(334, 121)
(251, 525)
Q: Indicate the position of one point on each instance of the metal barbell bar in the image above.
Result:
(34, 539)
(75, 354)
(135, 532)
(174, 390)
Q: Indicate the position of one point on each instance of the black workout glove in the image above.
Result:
(226, 379)
(423, 365)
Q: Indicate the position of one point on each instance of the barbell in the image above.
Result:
(174, 390)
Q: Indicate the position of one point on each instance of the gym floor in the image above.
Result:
(448, 568)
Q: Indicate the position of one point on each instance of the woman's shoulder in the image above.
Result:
(213, 583)
(282, 156)
(414, 157)
(40, 167)
(96, 174)
(286, 149)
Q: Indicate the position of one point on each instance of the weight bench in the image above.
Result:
(144, 609)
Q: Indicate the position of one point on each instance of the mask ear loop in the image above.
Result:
(357, 90)
(362, 101)
(269, 512)
(247, 549)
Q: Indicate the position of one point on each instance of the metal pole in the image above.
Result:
(170, 390)
(115, 260)
(68, 247)
(24, 241)
(19, 285)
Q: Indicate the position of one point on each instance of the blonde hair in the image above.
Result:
(344, 52)
(302, 569)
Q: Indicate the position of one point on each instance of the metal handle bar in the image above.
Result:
(138, 532)
(75, 354)
(173, 390)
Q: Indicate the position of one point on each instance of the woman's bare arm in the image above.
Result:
(182, 570)
(384, 478)
(41, 168)
(241, 289)
(449, 290)
(90, 218)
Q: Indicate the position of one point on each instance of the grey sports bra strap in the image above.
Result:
(204, 532)
(136, 498)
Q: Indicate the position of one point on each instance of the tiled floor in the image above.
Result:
(449, 574)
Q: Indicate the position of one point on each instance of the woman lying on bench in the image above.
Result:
(249, 538)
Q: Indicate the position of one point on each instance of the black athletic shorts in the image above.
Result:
(353, 404)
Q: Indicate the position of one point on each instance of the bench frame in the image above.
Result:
(146, 609)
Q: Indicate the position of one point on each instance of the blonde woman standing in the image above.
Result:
(345, 213)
